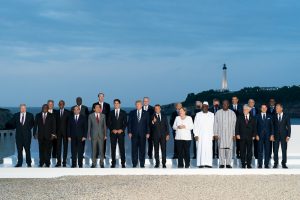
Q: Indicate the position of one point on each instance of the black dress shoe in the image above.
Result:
(164, 166)
(29, 165)
(142, 166)
(156, 166)
(284, 167)
(64, 165)
(73, 166)
(18, 165)
(133, 166)
(259, 167)
(201, 167)
(208, 166)
(93, 166)
(249, 166)
(102, 166)
(187, 167)
(47, 166)
(222, 166)
(80, 166)
(41, 165)
(275, 166)
(267, 167)
(123, 166)
(58, 165)
(243, 166)
(228, 166)
(175, 157)
(112, 166)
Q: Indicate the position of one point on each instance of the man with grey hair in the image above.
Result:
(224, 129)
(245, 131)
(23, 122)
(148, 108)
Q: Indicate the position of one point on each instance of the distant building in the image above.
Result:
(224, 79)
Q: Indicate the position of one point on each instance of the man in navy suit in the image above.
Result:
(238, 110)
(23, 122)
(148, 108)
(138, 132)
(77, 133)
(265, 134)
(282, 134)
(254, 113)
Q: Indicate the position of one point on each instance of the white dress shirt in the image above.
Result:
(21, 115)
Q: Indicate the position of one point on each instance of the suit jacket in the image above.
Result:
(173, 117)
(120, 123)
(265, 127)
(141, 127)
(79, 129)
(244, 130)
(271, 111)
(239, 110)
(160, 128)
(105, 110)
(213, 109)
(254, 112)
(83, 111)
(150, 110)
(44, 131)
(62, 122)
(282, 128)
(96, 129)
(23, 132)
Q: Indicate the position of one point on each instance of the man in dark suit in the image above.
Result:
(138, 132)
(238, 110)
(117, 123)
(282, 134)
(44, 130)
(148, 108)
(105, 109)
(77, 134)
(272, 111)
(160, 134)
(62, 121)
(246, 132)
(254, 112)
(23, 122)
(83, 111)
(265, 134)
(214, 109)
(178, 106)
(54, 140)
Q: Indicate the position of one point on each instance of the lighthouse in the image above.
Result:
(224, 79)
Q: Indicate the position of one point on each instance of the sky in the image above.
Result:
(128, 49)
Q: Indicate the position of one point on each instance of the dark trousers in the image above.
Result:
(62, 141)
(215, 149)
(183, 147)
(255, 142)
(175, 145)
(271, 149)
(280, 141)
(138, 145)
(77, 151)
(120, 139)
(45, 151)
(238, 148)
(246, 151)
(194, 146)
(163, 145)
(54, 148)
(22, 144)
(150, 147)
(264, 150)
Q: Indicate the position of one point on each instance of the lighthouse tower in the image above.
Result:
(224, 79)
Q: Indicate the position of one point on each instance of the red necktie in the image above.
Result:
(97, 118)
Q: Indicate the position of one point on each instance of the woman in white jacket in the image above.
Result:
(183, 126)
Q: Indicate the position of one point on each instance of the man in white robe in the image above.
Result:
(204, 132)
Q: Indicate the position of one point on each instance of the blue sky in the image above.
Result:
(165, 49)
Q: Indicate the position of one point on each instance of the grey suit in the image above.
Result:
(97, 132)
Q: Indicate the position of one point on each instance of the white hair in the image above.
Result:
(246, 107)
